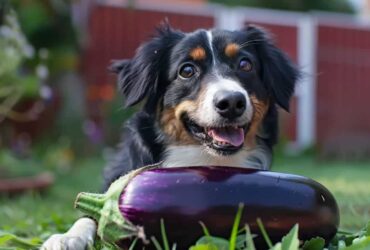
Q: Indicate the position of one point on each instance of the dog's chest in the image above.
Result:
(182, 156)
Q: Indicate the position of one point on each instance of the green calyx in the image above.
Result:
(104, 209)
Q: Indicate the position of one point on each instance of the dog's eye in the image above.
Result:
(246, 65)
(187, 71)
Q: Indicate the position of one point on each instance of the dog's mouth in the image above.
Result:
(226, 139)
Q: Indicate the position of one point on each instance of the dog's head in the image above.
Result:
(210, 88)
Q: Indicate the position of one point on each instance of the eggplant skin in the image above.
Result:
(183, 197)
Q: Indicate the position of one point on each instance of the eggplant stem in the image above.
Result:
(104, 208)
(94, 200)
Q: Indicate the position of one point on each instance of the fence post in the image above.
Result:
(228, 18)
(306, 88)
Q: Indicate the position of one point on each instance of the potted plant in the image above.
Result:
(19, 83)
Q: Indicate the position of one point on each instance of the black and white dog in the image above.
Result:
(209, 98)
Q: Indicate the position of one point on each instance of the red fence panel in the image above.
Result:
(116, 33)
(343, 90)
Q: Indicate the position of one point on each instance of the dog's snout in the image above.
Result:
(229, 104)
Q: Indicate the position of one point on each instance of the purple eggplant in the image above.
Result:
(183, 197)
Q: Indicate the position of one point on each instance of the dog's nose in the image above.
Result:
(229, 104)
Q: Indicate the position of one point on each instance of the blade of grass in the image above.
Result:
(241, 230)
(234, 231)
(164, 236)
(15, 241)
(249, 239)
(174, 246)
(133, 244)
(206, 232)
(264, 233)
(156, 243)
(205, 229)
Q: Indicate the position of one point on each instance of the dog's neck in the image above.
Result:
(197, 155)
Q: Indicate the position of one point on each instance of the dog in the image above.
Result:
(208, 97)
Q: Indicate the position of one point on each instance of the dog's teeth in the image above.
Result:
(220, 143)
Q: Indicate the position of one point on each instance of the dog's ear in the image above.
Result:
(141, 76)
(277, 70)
(118, 65)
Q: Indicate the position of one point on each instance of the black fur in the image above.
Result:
(143, 75)
(139, 147)
(277, 70)
(151, 74)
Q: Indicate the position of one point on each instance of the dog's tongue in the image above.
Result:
(233, 136)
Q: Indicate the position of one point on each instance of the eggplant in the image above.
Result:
(134, 204)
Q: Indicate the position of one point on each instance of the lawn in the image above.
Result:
(35, 215)
(39, 215)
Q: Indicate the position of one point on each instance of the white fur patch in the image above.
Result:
(207, 115)
(79, 237)
(210, 40)
(198, 155)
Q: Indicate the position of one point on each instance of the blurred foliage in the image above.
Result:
(47, 24)
(57, 157)
(11, 165)
(38, 46)
(16, 81)
(40, 215)
(295, 5)
(85, 124)
(116, 114)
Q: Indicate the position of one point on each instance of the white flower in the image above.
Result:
(42, 71)
(6, 32)
(45, 92)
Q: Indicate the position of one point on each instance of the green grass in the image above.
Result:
(35, 215)
(39, 215)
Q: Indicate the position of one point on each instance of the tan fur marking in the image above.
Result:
(232, 49)
(260, 109)
(198, 54)
(173, 126)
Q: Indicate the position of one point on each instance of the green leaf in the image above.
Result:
(216, 242)
(207, 238)
(234, 231)
(11, 240)
(30, 86)
(277, 246)
(362, 243)
(204, 247)
(316, 243)
(291, 241)
(367, 229)
(241, 242)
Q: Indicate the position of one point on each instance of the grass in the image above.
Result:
(35, 215)
(39, 215)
